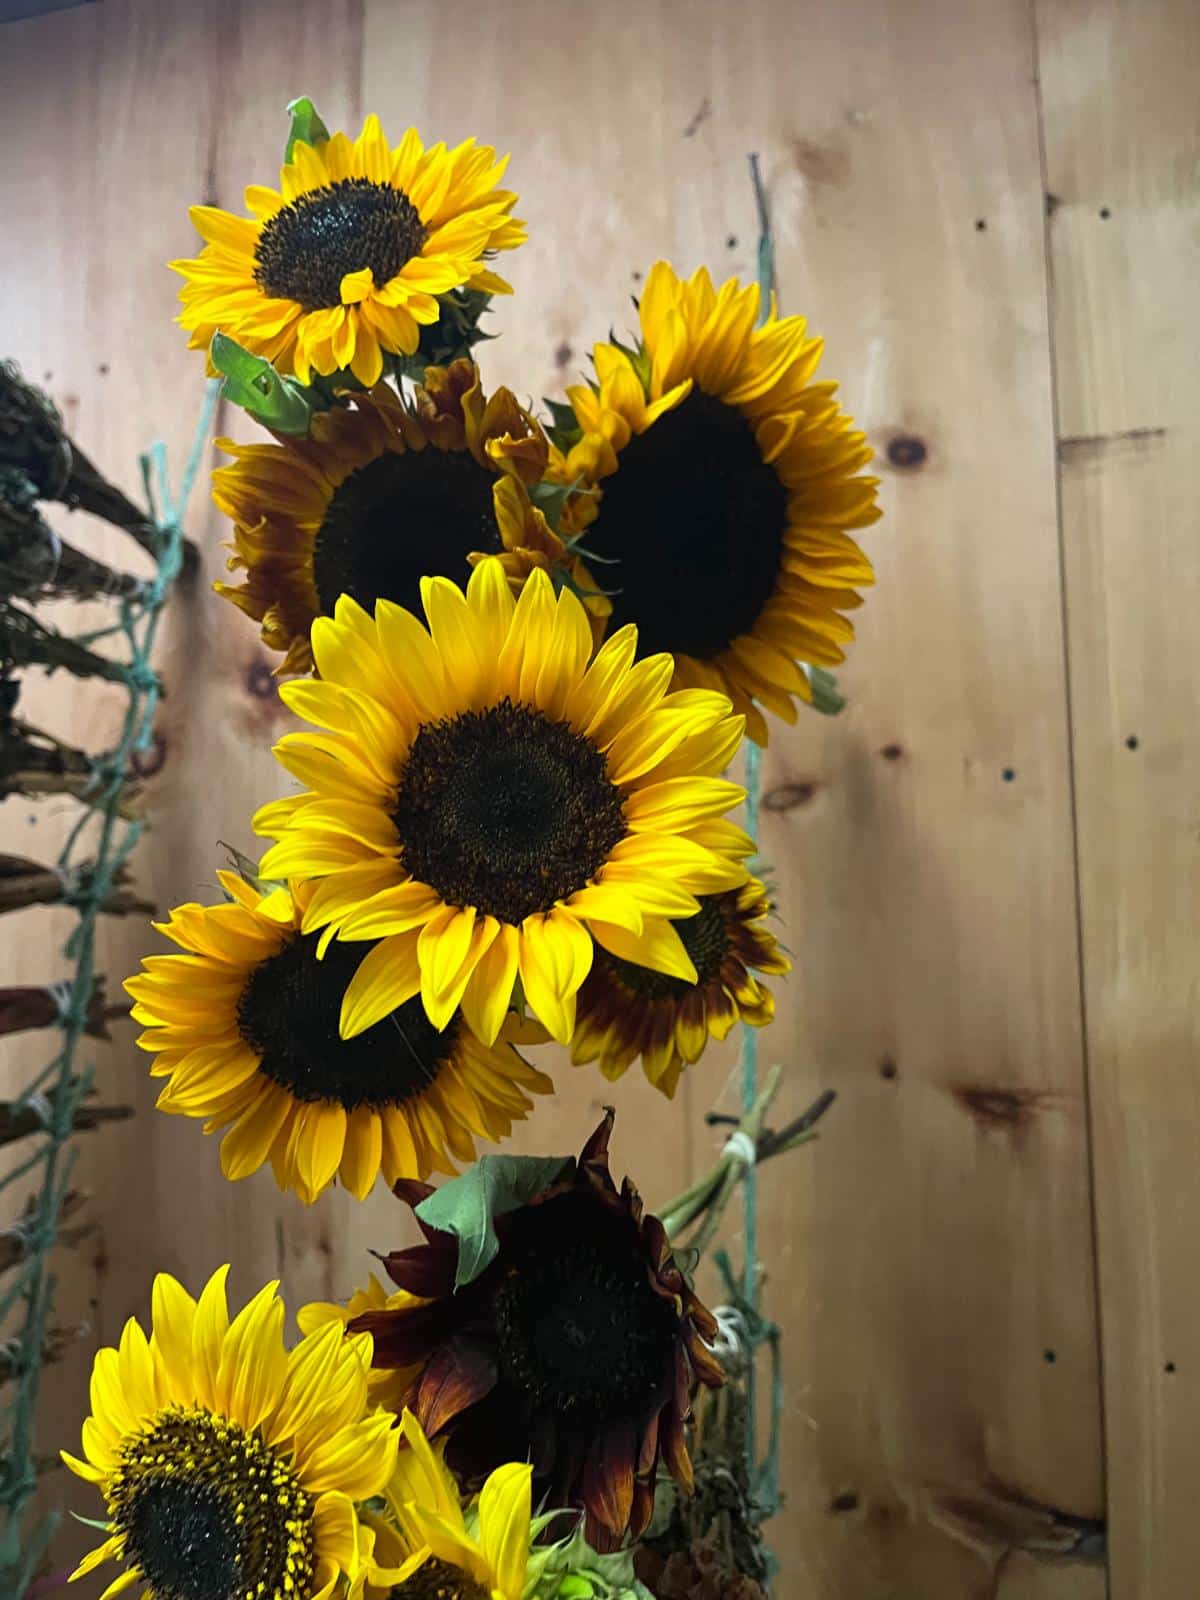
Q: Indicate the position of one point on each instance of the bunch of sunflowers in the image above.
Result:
(523, 683)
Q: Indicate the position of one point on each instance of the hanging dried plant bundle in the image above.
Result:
(45, 1006)
(20, 1118)
(33, 762)
(18, 1240)
(30, 883)
(35, 563)
(33, 439)
(26, 642)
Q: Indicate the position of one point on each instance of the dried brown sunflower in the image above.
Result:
(580, 1345)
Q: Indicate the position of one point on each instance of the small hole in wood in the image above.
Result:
(732, 242)
(1132, 742)
(892, 752)
(1009, 774)
(1105, 213)
(980, 225)
(1170, 1367)
(846, 1501)
(888, 1068)
(1049, 1357)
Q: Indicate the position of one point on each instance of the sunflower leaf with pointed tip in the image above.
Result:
(826, 696)
(306, 125)
(468, 1206)
(252, 382)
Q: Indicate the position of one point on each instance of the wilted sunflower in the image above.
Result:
(245, 1027)
(626, 1011)
(431, 1544)
(228, 1466)
(579, 1346)
(347, 258)
(486, 801)
(379, 496)
(729, 480)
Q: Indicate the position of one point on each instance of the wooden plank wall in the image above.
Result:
(990, 212)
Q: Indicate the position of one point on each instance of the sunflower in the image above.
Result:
(578, 1346)
(346, 260)
(729, 481)
(385, 1388)
(380, 495)
(244, 1027)
(486, 802)
(229, 1466)
(429, 1544)
(626, 1011)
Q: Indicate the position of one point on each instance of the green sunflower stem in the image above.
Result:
(708, 1198)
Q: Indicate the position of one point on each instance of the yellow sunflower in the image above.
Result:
(627, 1011)
(387, 1387)
(431, 1544)
(488, 797)
(228, 1465)
(379, 496)
(244, 1026)
(346, 260)
(730, 479)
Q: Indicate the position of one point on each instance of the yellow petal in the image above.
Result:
(486, 998)
(555, 957)
(388, 975)
(505, 1507)
(658, 947)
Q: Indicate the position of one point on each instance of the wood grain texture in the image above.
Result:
(931, 1259)
(1122, 134)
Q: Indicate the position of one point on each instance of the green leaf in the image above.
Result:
(562, 416)
(306, 125)
(468, 1206)
(252, 383)
(826, 699)
(91, 1522)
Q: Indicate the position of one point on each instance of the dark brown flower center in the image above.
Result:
(439, 1580)
(401, 518)
(289, 1013)
(506, 810)
(307, 248)
(580, 1328)
(209, 1512)
(696, 519)
(705, 938)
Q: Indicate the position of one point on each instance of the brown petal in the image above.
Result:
(406, 1336)
(608, 1477)
(423, 1270)
(675, 1452)
(457, 1376)
(595, 1152)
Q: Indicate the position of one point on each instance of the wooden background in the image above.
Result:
(989, 866)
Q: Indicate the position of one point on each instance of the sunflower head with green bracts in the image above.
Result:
(731, 483)
(579, 1345)
(383, 492)
(345, 262)
(243, 1025)
(488, 794)
(627, 1012)
(228, 1465)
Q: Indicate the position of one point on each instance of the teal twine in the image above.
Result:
(763, 1476)
(57, 1090)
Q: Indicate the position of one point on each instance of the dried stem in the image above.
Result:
(705, 1201)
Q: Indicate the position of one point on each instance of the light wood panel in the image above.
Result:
(1122, 134)
(932, 1250)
